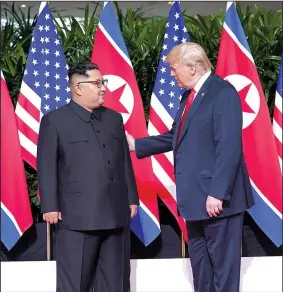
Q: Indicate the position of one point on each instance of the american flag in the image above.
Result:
(164, 105)
(45, 85)
(277, 116)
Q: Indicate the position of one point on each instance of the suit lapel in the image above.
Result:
(179, 116)
(197, 101)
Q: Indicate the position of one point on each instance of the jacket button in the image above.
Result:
(112, 179)
(103, 145)
(97, 131)
(109, 162)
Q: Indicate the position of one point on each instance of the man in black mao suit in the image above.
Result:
(87, 185)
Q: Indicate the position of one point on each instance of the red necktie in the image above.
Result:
(188, 105)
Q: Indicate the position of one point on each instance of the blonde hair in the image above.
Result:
(189, 54)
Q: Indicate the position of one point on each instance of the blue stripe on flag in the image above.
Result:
(113, 30)
(233, 22)
(266, 219)
(142, 221)
(9, 233)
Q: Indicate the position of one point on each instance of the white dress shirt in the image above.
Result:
(199, 84)
(201, 81)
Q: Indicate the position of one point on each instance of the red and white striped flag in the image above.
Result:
(164, 105)
(45, 85)
(277, 116)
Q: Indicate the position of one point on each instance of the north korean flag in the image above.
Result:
(16, 215)
(235, 64)
(111, 55)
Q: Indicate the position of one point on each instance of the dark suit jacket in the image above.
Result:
(209, 158)
(83, 171)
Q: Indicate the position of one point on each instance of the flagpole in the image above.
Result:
(183, 245)
(48, 229)
(48, 232)
(48, 241)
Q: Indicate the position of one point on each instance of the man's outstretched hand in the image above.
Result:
(131, 141)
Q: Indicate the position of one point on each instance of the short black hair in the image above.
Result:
(81, 69)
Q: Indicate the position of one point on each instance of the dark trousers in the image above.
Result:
(215, 253)
(100, 281)
(80, 253)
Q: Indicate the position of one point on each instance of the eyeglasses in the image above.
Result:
(98, 83)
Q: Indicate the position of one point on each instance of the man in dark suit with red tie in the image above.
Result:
(213, 188)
